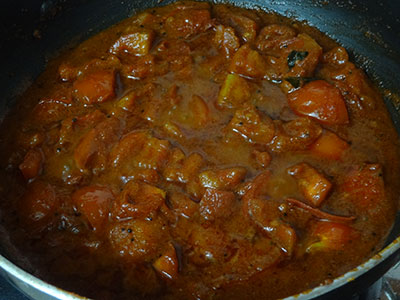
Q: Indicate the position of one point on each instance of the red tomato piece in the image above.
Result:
(94, 202)
(321, 101)
(332, 236)
(329, 146)
(95, 87)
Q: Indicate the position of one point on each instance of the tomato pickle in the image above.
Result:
(199, 151)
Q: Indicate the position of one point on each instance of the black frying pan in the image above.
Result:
(32, 32)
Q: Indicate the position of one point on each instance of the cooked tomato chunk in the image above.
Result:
(137, 41)
(182, 204)
(38, 205)
(265, 215)
(137, 240)
(234, 91)
(245, 26)
(226, 40)
(167, 265)
(330, 146)
(140, 149)
(245, 23)
(217, 204)
(272, 36)
(314, 186)
(141, 67)
(32, 164)
(364, 186)
(53, 108)
(248, 123)
(181, 168)
(93, 148)
(331, 236)
(210, 245)
(176, 53)
(185, 23)
(227, 178)
(263, 158)
(199, 112)
(95, 87)
(295, 135)
(248, 62)
(137, 200)
(94, 202)
(321, 101)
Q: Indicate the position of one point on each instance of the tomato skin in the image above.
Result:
(321, 101)
(94, 203)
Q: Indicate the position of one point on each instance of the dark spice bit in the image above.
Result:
(240, 123)
(129, 230)
(141, 25)
(74, 120)
(132, 239)
(297, 82)
(294, 56)
(122, 229)
(58, 149)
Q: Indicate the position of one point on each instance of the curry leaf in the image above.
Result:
(297, 82)
(295, 56)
